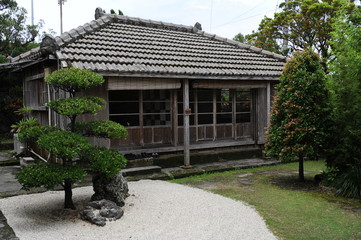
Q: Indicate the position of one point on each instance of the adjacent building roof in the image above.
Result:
(125, 46)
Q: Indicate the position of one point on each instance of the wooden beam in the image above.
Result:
(218, 84)
(182, 76)
(186, 134)
(35, 77)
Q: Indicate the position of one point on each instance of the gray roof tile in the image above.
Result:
(130, 45)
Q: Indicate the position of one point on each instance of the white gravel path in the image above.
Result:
(155, 210)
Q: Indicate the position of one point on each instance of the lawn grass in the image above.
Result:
(292, 210)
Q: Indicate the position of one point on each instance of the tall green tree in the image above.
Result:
(299, 118)
(344, 83)
(71, 146)
(302, 24)
(16, 36)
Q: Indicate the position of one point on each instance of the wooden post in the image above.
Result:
(47, 72)
(186, 114)
(234, 113)
(141, 122)
(268, 103)
(214, 115)
(174, 117)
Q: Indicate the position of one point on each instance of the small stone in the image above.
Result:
(98, 212)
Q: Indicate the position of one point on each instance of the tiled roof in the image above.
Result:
(121, 45)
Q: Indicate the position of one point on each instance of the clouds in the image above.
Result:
(186, 12)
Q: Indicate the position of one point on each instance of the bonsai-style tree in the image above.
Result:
(299, 117)
(70, 147)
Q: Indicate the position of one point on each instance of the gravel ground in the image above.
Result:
(155, 210)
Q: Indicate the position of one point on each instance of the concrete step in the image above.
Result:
(141, 170)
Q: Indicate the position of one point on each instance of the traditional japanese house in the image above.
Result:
(174, 87)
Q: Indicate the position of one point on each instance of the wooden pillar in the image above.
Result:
(186, 113)
(214, 115)
(234, 113)
(174, 117)
(141, 122)
(268, 103)
(47, 72)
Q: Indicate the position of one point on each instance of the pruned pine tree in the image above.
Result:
(71, 146)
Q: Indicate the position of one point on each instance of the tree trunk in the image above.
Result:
(301, 175)
(68, 195)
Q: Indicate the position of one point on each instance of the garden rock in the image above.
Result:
(98, 212)
(114, 189)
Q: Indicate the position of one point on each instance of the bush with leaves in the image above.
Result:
(73, 149)
(344, 153)
(101, 128)
(299, 117)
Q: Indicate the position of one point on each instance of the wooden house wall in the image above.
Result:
(172, 133)
(36, 93)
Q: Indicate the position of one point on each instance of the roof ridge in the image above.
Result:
(50, 44)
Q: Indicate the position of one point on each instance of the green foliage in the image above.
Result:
(106, 161)
(344, 84)
(63, 144)
(303, 24)
(262, 39)
(299, 117)
(348, 184)
(15, 36)
(32, 134)
(240, 38)
(73, 80)
(23, 124)
(345, 87)
(48, 175)
(101, 128)
(77, 105)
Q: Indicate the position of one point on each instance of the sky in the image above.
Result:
(225, 18)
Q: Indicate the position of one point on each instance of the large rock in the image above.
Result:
(115, 189)
(98, 212)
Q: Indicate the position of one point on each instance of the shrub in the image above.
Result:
(32, 134)
(101, 128)
(105, 161)
(23, 124)
(48, 175)
(73, 80)
(77, 105)
(63, 144)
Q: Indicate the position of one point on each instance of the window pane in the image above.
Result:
(156, 107)
(223, 95)
(123, 107)
(126, 120)
(243, 117)
(205, 95)
(224, 107)
(243, 106)
(151, 95)
(205, 107)
(224, 118)
(243, 95)
(156, 119)
(205, 118)
(132, 95)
